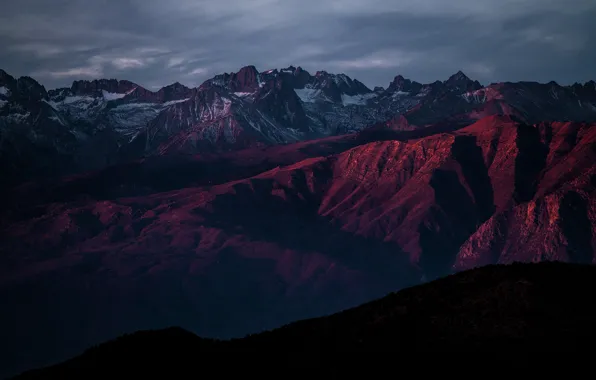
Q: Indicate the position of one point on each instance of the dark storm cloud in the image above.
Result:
(156, 43)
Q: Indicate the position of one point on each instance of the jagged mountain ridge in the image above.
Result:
(97, 123)
(71, 129)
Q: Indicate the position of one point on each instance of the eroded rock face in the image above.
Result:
(553, 218)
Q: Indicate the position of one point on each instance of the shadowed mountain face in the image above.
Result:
(518, 308)
(229, 244)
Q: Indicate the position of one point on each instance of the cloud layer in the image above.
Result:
(155, 43)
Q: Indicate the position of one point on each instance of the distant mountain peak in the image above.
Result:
(402, 84)
(175, 91)
(6, 79)
(245, 80)
(176, 84)
(31, 89)
(296, 70)
(399, 80)
(458, 76)
(104, 81)
(4, 74)
(28, 81)
(86, 87)
(248, 69)
(461, 81)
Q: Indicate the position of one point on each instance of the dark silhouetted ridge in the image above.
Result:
(545, 307)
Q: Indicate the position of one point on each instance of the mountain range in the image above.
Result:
(261, 198)
(103, 122)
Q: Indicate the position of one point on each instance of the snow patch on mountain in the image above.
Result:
(4, 91)
(51, 104)
(482, 96)
(81, 102)
(359, 100)
(338, 79)
(130, 106)
(17, 118)
(57, 119)
(111, 95)
(398, 94)
(172, 102)
(79, 107)
(127, 119)
(308, 95)
(130, 118)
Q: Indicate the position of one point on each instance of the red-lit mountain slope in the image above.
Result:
(307, 236)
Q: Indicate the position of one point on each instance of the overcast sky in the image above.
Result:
(156, 42)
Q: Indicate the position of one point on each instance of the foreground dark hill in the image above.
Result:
(544, 307)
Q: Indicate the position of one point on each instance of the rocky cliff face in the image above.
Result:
(551, 212)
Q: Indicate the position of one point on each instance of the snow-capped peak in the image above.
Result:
(114, 95)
